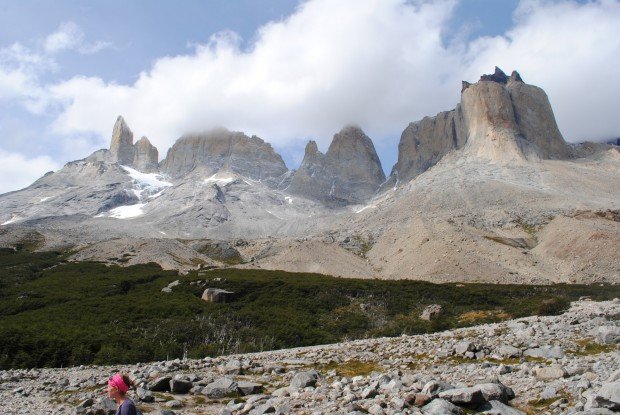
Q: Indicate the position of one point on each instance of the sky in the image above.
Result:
(287, 71)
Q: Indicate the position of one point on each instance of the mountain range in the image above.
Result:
(489, 191)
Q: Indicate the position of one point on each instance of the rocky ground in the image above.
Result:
(566, 364)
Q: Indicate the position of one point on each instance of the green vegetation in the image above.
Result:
(58, 313)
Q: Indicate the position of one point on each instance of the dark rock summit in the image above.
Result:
(349, 172)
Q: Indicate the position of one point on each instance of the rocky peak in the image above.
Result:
(146, 156)
(221, 149)
(121, 146)
(350, 172)
(500, 118)
(498, 76)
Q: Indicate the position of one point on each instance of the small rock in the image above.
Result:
(441, 407)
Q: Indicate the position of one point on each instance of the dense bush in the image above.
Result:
(54, 313)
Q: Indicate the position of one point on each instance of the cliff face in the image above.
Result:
(122, 150)
(146, 156)
(499, 118)
(349, 172)
(425, 142)
(224, 150)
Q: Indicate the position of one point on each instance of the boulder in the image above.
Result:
(464, 347)
(550, 372)
(608, 334)
(441, 407)
(495, 392)
(220, 388)
(508, 351)
(249, 388)
(434, 387)
(161, 384)
(305, 379)
(545, 352)
(216, 295)
(180, 385)
(463, 396)
(431, 312)
(232, 367)
(608, 396)
(498, 408)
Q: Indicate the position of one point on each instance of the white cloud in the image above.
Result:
(572, 51)
(376, 63)
(18, 171)
(380, 64)
(69, 36)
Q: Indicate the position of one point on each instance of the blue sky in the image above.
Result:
(287, 71)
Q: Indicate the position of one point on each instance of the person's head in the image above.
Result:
(118, 385)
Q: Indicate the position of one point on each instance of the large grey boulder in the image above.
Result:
(349, 172)
(223, 150)
(441, 407)
(305, 379)
(498, 408)
(161, 384)
(608, 334)
(545, 352)
(249, 388)
(607, 397)
(220, 388)
(463, 396)
(434, 387)
(495, 392)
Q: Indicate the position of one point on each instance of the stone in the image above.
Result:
(441, 407)
(545, 352)
(431, 312)
(463, 396)
(550, 372)
(216, 295)
(232, 367)
(608, 334)
(433, 387)
(144, 395)
(249, 388)
(608, 397)
(495, 392)
(548, 393)
(421, 399)
(180, 386)
(498, 76)
(305, 379)
(174, 404)
(266, 408)
(161, 384)
(464, 347)
(349, 172)
(499, 408)
(508, 351)
(220, 388)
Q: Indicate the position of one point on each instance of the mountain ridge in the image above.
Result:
(494, 173)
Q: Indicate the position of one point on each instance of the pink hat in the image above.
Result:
(117, 382)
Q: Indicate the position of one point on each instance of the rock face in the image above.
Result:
(499, 118)
(349, 172)
(146, 156)
(425, 142)
(221, 149)
(122, 150)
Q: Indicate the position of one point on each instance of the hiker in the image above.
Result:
(118, 385)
